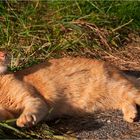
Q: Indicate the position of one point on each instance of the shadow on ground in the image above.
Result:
(103, 125)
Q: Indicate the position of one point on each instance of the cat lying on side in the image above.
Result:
(72, 86)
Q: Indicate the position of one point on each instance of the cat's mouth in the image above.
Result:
(3, 69)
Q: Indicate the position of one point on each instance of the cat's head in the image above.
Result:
(3, 62)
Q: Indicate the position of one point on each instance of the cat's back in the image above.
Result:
(62, 65)
(66, 67)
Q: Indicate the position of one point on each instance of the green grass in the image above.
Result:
(37, 30)
(33, 31)
(8, 130)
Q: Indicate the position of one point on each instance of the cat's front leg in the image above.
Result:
(35, 110)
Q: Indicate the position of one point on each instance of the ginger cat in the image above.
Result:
(72, 86)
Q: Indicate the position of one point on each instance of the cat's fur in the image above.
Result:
(72, 86)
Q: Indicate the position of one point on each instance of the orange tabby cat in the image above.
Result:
(71, 86)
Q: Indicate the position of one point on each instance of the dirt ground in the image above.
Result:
(109, 124)
(127, 57)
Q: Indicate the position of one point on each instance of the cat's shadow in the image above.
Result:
(109, 122)
(68, 124)
(132, 73)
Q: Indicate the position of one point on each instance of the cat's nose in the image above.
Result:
(2, 55)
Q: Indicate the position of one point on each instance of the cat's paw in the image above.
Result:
(130, 117)
(26, 120)
(130, 114)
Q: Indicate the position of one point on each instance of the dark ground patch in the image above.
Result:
(102, 125)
